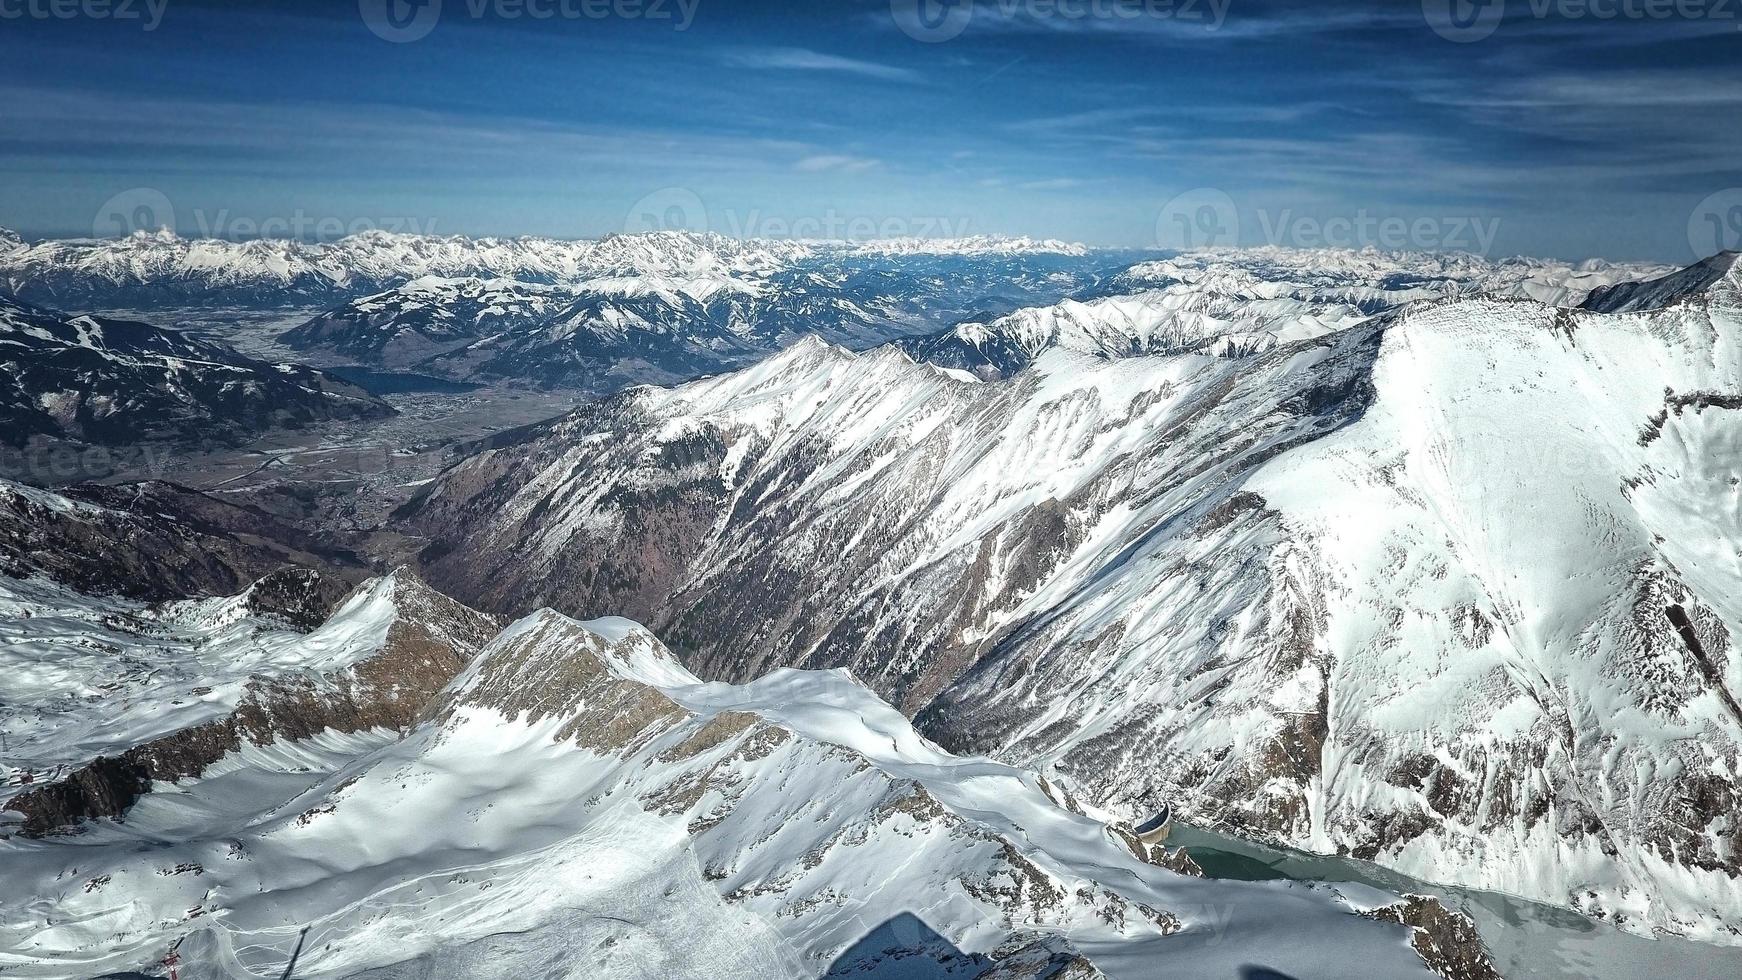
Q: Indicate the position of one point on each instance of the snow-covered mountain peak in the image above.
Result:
(164, 234)
(1409, 589)
(1219, 310)
(790, 828)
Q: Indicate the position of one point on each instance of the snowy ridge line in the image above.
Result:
(573, 772)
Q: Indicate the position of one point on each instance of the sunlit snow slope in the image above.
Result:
(577, 804)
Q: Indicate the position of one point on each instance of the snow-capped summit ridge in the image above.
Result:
(982, 245)
(1717, 278)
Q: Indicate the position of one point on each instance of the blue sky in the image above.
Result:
(1557, 132)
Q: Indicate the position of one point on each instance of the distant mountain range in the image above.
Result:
(1240, 302)
(148, 271)
(959, 561)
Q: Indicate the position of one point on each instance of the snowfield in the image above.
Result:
(575, 801)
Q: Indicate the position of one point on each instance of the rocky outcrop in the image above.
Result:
(429, 641)
(1446, 940)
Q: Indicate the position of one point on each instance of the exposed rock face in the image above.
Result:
(1176, 860)
(428, 642)
(158, 541)
(301, 597)
(1446, 940)
(1401, 591)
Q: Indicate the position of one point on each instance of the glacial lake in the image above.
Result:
(1528, 940)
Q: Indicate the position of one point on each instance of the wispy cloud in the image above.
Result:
(836, 163)
(804, 59)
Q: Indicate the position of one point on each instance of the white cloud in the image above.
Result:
(804, 59)
(836, 163)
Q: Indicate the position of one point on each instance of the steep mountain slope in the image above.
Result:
(105, 381)
(1693, 284)
(1452, 590)
(153, 541)
(163, 692)
(574, 800)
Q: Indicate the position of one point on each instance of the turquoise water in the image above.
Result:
(1528, 940)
